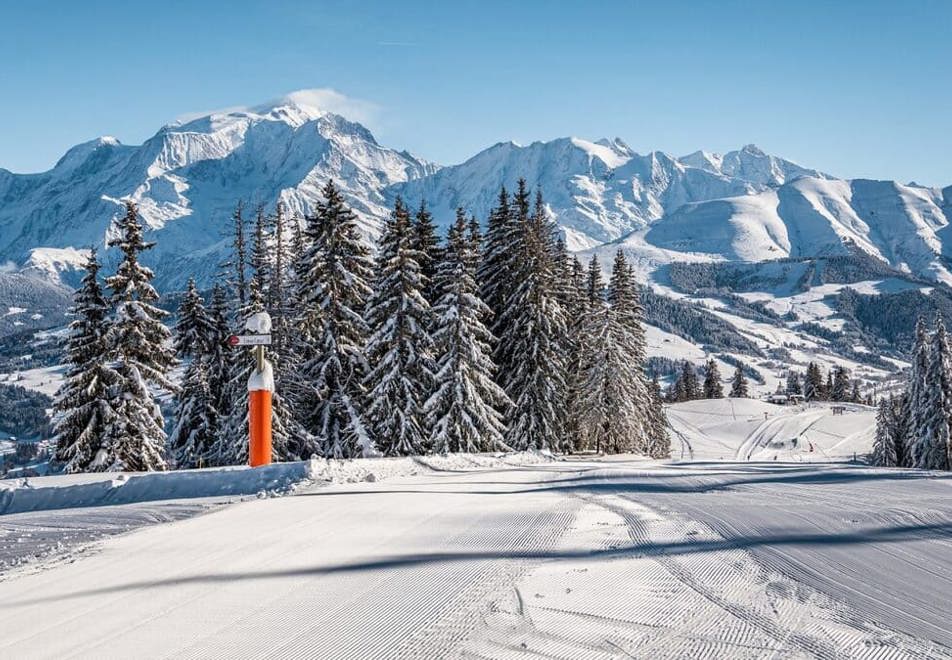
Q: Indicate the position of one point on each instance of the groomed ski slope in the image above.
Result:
(748, 429)
(610, 558)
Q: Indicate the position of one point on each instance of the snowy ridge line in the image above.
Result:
(63, 492)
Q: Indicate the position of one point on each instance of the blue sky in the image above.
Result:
(853, 88)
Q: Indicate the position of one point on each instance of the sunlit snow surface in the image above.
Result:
(503, 557)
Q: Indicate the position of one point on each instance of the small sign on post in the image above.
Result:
(249, 340)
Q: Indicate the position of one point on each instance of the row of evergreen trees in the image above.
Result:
(473, 344)
(814, 386)
(688, 387)
(914, 429)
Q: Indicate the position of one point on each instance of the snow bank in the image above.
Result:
(104, 489)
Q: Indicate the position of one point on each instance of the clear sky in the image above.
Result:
(853, 88)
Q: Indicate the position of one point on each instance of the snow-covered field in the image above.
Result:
(509, 556)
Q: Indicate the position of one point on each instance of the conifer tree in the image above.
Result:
(739, 387)
(840, 390)
(499, 260)
(84, 402)
(218, 352)
(427, 245)
(793, 383)
(899, 429)
(466, 410)
(610, 406)
(935, 438)
(813, 383)
(196, 427)
(917, 389)
(337, 271)
(533, 326)
(712, 381)
(884, 449)
(689, 389)
(137, 340)
(239, 255)
(658, 438)
(400, 349)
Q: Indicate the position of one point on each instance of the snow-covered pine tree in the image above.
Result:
(899, 428)
(841, 384)
(575, 304)
(690, 388)
(916, 390)
(467, 409)
(658, 438)
(219, 354)
(712, 381)
(83, 405)
(475, 237)
(193, 329)
(793, 383)
(337, 271)
(427, 245)
(533, 323)
(884, 449)
(609, 405)
(400, 349)
(933, 443)
(813, 383)
(855, 396)
(138, 341)
(739, 387)
(196, 426)
(496, 269)
(625, 301)
(614, 405)
(239, 259)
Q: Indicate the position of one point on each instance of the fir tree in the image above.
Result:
(239, 255)
(337, 270)
(712, 381)
(932, 445)
(427, 246)
(917, 389)
(739, 387)
(793, 383)
(687, 385)
(660, 441)
(466, 411)
(137, 340)
(884, 449)
(610, 406)
(84, 403)
(533, 327)
(840, 390)
(400, 348)
(193, 330)
(813, 383)
(218, 352)
(499, 261)
(899, 429)
(196, 427)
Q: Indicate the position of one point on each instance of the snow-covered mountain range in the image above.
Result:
(793, 236)
(743, 205)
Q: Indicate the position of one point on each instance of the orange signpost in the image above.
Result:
(259, 422)
(260, 388)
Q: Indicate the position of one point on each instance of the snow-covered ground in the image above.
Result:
(748, 429)
(514, 556)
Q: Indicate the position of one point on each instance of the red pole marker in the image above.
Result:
(259, 423)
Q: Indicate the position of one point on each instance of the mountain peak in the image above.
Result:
(753, 150)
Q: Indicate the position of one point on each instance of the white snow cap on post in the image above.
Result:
(262, 380)
(259, 323)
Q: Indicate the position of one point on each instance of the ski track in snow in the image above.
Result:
(618, 557)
